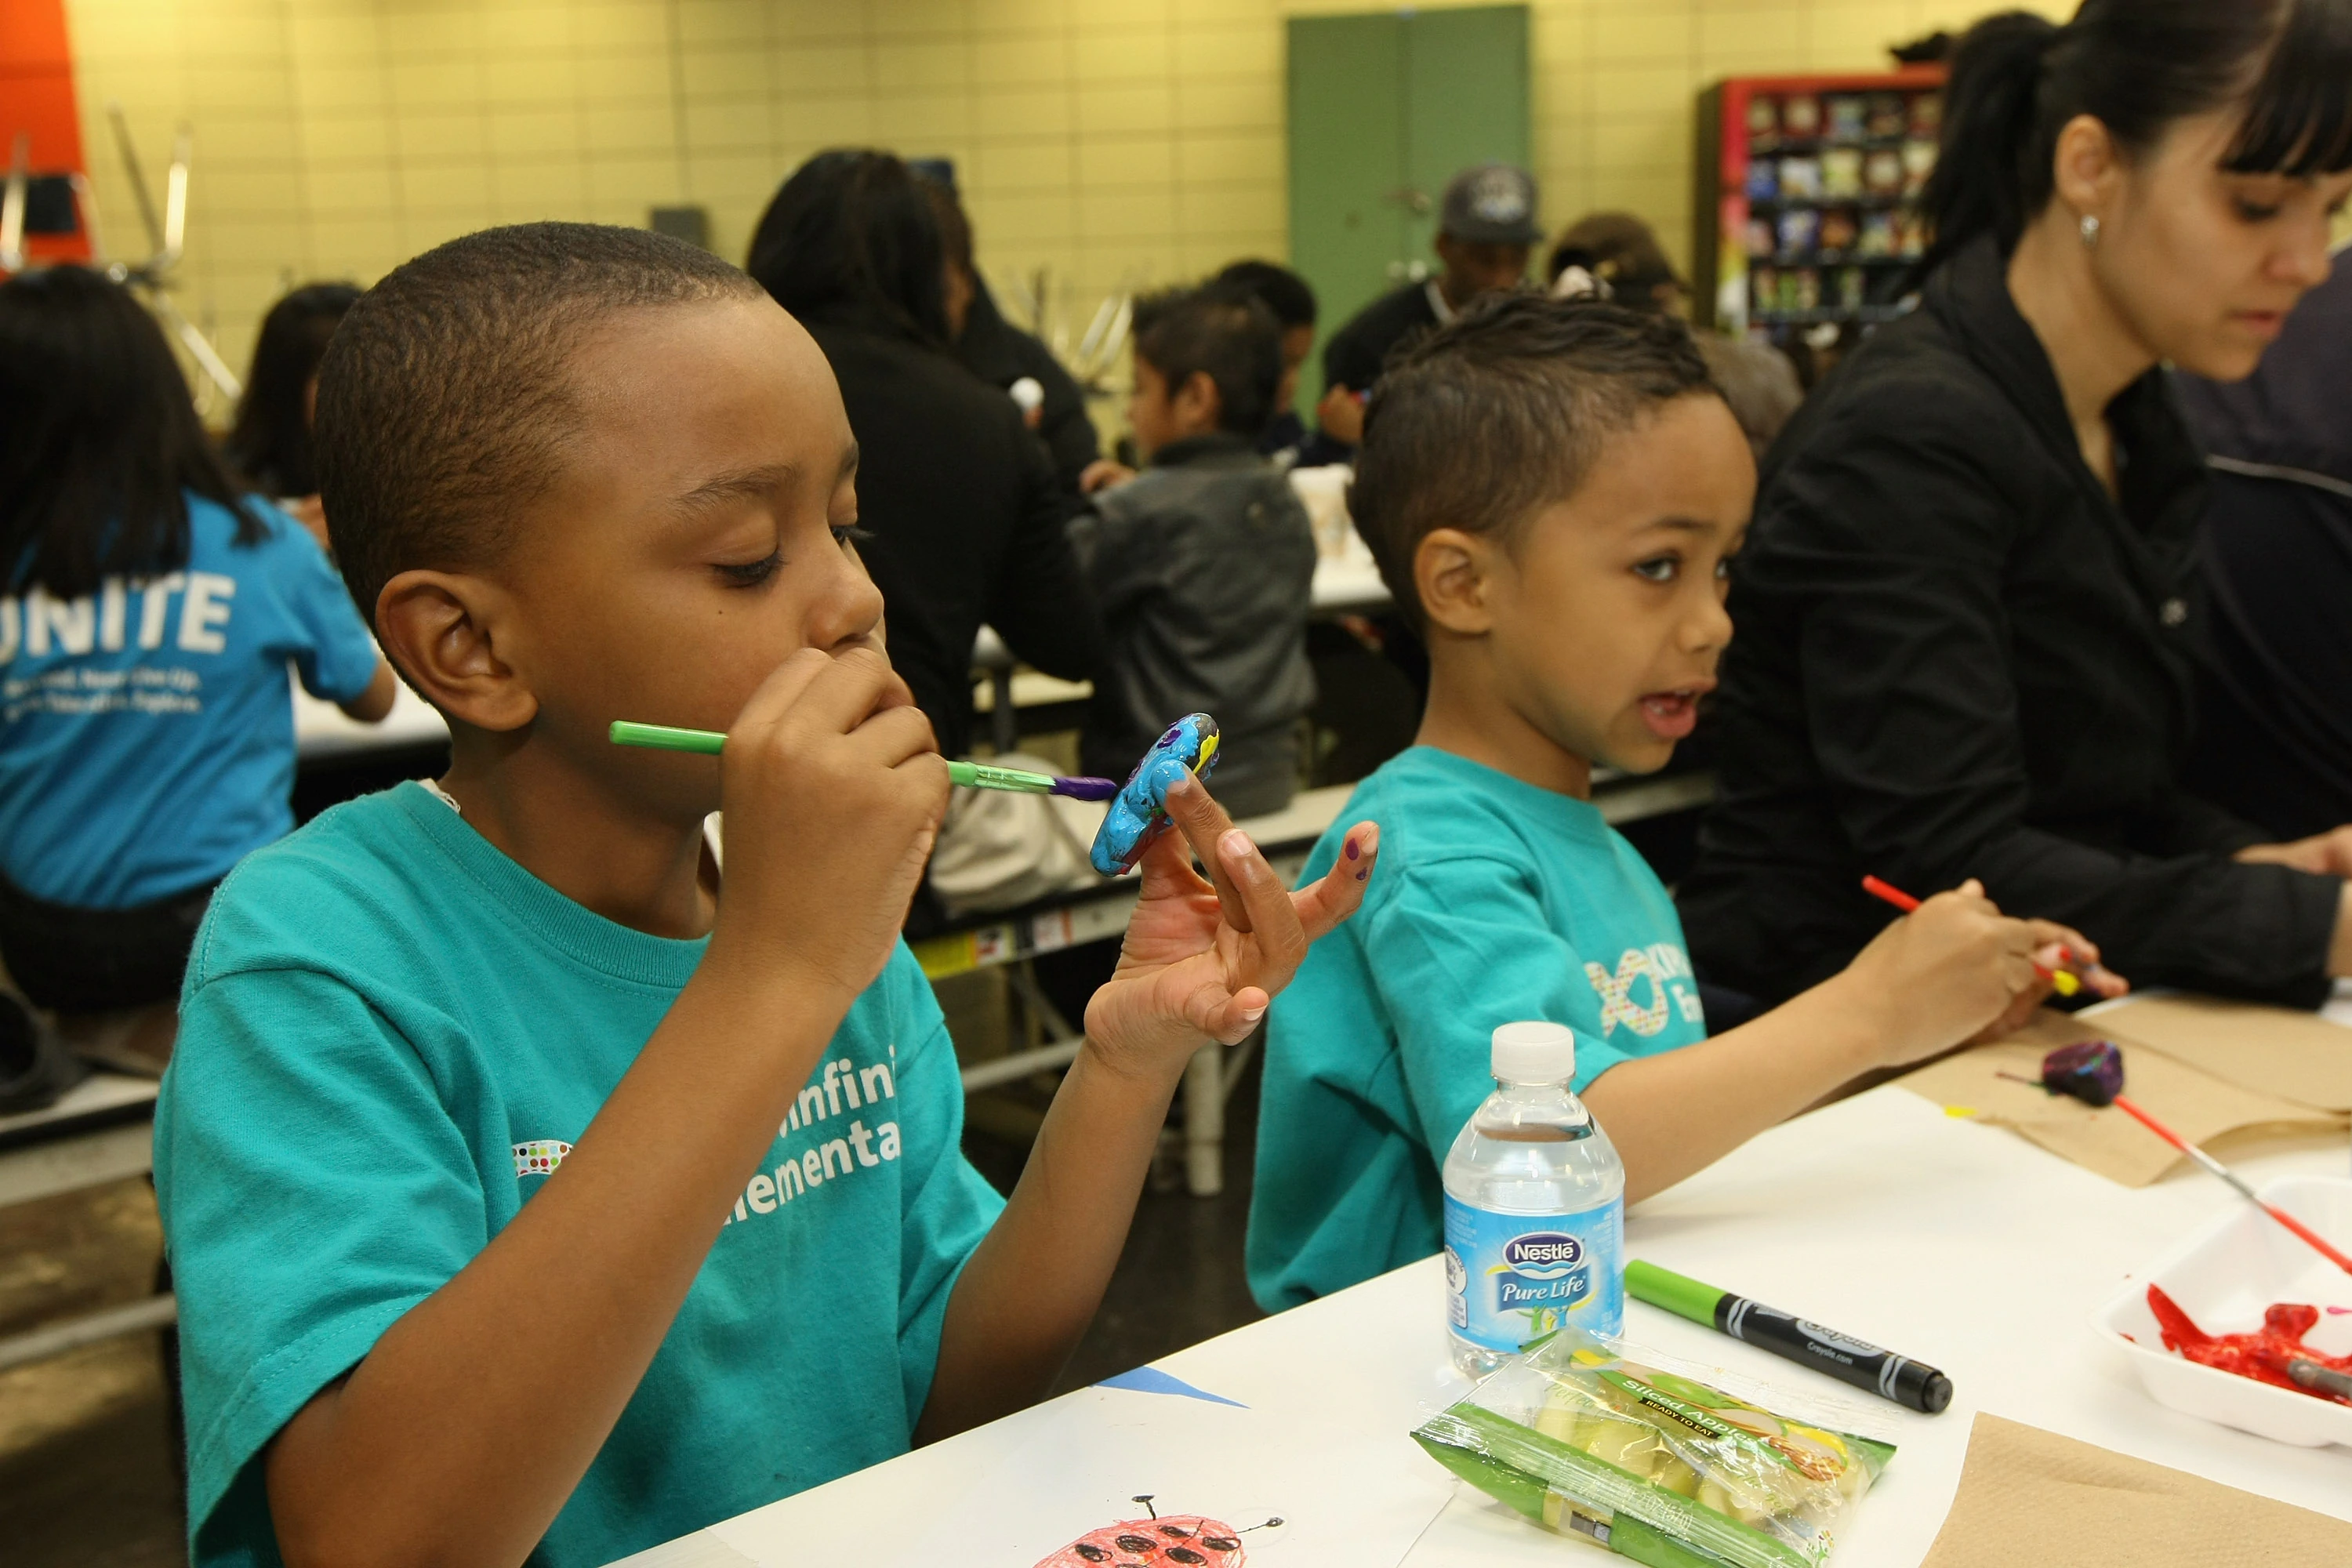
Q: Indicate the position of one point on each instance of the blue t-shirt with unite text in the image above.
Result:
(147, 730)
(390, 1036)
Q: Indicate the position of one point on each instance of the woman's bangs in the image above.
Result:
(2299, 118)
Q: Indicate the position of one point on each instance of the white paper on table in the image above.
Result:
(1344, 1496)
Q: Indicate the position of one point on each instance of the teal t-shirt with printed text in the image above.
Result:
(1495, 901)
(390, 1036)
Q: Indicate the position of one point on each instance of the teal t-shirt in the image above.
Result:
(1494, 902)
(390, 1034)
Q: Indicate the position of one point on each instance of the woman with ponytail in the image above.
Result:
(1969, 613)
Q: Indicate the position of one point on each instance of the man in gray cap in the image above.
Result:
(1485, 230)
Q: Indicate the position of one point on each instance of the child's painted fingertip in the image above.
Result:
(1353, 851)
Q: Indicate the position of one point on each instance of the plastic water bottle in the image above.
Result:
(1534, 1208)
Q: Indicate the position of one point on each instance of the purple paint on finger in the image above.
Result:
(1353, 851)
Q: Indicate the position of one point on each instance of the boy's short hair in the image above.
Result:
(1487, 420)
(444, 400)
(1285, 293)
(1230, 336)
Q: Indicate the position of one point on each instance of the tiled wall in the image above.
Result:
(1117, 141)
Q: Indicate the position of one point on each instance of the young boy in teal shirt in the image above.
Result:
(1553, 490)
(526, 1197)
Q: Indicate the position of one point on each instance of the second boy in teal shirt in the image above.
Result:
(1496, 901)
(1553, 490)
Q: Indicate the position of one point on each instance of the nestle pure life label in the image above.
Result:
(1513, 1277)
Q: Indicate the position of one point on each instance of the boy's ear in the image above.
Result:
(441, 629)
(1197, 405)
(1450, 571)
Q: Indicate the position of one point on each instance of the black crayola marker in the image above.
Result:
(1858, 1362)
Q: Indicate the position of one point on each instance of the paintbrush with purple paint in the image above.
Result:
(971, 775)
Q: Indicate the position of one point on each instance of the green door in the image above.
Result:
(1384, 109)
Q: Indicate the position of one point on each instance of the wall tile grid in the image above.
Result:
(1116, 142)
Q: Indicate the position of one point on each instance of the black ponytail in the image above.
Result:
(1988, 114)
(2136, 66)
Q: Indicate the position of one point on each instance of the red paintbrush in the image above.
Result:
(2318, 1243)
(2092, 1072)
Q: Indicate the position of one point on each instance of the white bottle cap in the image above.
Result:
(1029, 393)
(1534, 1052)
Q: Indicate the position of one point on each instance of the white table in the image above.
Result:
(1956, 1242)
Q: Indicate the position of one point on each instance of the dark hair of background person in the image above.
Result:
(1230, 335)
(2136, 67)
(446, 396)
(1284, 292)
(1502, 411)
(270, 443)
(856, 231)
(1621, 250)
(100, 442)
(955, 228)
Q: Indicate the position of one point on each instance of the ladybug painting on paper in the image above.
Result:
(1190, 1539)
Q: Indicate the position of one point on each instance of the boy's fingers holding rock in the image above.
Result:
(1203, 822)
(1281, 942)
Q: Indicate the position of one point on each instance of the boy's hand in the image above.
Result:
(1203, 961)
(1958, 970)
(833, 791)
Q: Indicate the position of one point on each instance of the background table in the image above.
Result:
(1960, 1244)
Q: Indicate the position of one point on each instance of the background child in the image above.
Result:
(269, 444)
(148, 613)
(529, 1196)
(1552, 489)
(1203, 566)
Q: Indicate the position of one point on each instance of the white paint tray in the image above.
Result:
(2224, 1278)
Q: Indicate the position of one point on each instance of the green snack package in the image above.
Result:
(1654, 1464)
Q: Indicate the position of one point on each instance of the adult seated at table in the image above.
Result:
(1969, 606)
(2274, 700)
(958, 501)
(1003, 355)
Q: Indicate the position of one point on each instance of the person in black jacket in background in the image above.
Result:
(1969, 603)
(1002, 355)
(2275, 709)
(1486, 229)
(959, 500)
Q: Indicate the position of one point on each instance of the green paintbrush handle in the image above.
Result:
(980, 775)
(662, 738)
(971, 775)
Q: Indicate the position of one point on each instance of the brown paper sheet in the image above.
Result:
(2032, 1497)
(2195, 1104)
(2270, 1050)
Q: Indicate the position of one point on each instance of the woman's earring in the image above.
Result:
(2090, 230)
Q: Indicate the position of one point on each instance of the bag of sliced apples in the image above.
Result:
(1599, 1439)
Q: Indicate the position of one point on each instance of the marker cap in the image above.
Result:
(1534, 1052)
(1677, 1293)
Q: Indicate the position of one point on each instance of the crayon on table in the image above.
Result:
(1849, 1360)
